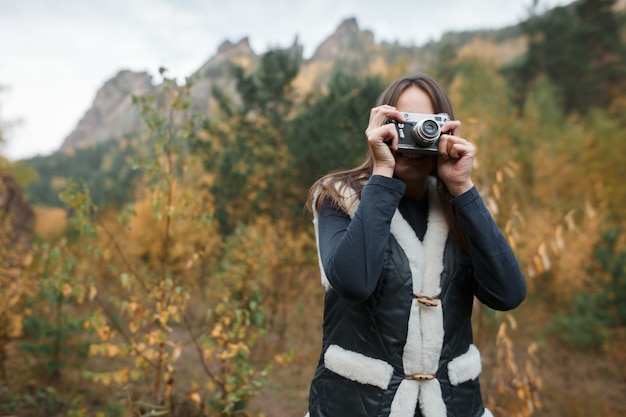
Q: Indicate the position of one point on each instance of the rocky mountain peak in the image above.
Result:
(348, 41)
(112, 114)
(228, 46)
(227, 51)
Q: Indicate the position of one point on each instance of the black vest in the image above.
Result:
(407, 350)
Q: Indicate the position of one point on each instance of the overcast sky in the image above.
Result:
(56, 54)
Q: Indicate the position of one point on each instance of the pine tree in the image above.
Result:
(328, 133)
(579, 48)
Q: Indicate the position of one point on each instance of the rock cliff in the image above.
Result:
(347, 43)
(112, 114)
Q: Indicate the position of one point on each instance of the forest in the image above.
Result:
(175, 272)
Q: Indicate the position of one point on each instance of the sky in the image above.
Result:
(56, 54)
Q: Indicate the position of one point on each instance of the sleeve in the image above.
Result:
(352, 250)
(500, 283)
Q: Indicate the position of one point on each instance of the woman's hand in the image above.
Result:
(456, 158)
(382, 138)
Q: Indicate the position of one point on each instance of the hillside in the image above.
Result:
(350, 48)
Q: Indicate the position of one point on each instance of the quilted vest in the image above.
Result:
(407, 350)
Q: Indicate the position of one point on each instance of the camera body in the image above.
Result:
(420, 133)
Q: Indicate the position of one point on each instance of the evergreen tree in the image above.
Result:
(105, 168)
(244, 144)
(600, 306)
(579, 48)
(328, 133)
(446, 63)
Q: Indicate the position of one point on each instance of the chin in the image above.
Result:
(416, 160)
(411, 156)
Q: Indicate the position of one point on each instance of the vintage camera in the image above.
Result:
(420, 132)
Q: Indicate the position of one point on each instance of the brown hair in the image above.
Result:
(330, 185)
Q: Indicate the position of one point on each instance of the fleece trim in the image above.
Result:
(405, 400)
(316, 228)
(465, 367)
(358, 367)
(425, 331)
(486, 413)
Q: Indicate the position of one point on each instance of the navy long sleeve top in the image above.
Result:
(352, 250)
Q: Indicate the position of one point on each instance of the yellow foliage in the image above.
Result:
(133, 327)
(194, 396)
(176, 352)
(120, 377)
(187, 242)
(66, 291)
(95, 349)
(217, 331)
(58, 183)
(493, 53)
(378, 66)
(307, 75)
(50, 222)
(232, 350)
(517, 386)
(154, 337)
(104, 331)
(112, 350)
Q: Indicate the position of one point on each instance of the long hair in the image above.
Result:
(331, 185)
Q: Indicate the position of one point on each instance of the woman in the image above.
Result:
(405, 243)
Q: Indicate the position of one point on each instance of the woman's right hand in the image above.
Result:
(382, 138)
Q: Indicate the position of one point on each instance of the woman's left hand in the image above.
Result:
(456, 158)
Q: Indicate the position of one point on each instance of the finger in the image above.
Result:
(381, 114)
(444, 141)
(454, 147)
(452, 126)
(383, 134)
(460, 150)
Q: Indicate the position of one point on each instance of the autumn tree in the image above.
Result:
(481, 102)
(245, 146)
(16, 234)
(597, 310)
(146, 268)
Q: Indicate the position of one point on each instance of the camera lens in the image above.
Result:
(426, 132)
(430, 128)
